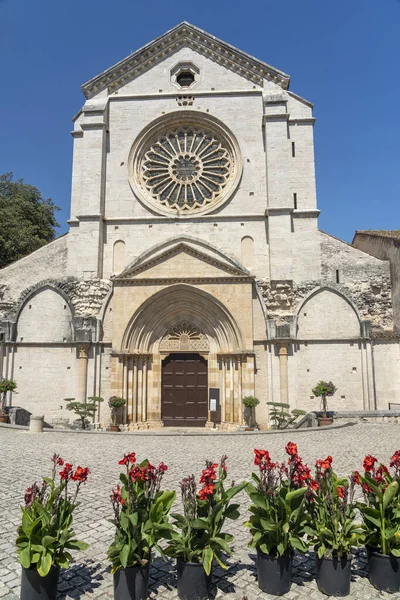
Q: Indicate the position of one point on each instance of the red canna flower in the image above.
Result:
(324, 465)
(207, 491)
(81, 474)
(366, 488)
(57, 460)
(314, 485)
(340, 491)
(66, 473)
(129, 458)
(162, 467)
(291, 449)
(116, 497)
(369, 462)
(356, 477)
(395, 460)
(381, 471)
(28, 496)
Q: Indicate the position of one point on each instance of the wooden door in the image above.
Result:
(184, 390)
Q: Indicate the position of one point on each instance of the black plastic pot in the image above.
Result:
(131, 583)
(193, 582)
(34, 587)
(274, 573)
(334, 575)
(384, 571)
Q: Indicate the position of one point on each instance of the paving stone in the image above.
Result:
(89, 577)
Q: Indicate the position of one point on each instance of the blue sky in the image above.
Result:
(343, 56)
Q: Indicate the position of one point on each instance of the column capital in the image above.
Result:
(283, 349)
(83, 350)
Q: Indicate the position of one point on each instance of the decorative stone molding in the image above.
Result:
(86, 329)
(184, 337)
(189, 36)
(83, 350)
(184, 164)
(6, 331)
(87, 297)
(185, 100)
(185, 67)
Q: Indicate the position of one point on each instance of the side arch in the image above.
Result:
(327, 313)
(45, 315)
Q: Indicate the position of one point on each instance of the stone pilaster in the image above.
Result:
(83, 359)
(283, 373)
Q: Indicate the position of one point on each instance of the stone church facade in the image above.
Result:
(194, 259)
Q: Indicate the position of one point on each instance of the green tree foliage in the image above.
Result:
(27, 220)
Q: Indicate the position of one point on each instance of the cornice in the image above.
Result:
(210, 217)
(93, 126)
(306, 212)
(276, 117)
(304, 120)
(174, 251)
(184, 35)
(193, 93)
(170, 280)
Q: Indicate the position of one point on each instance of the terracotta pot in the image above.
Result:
(114, 428)
(323, 421)
(3, 418)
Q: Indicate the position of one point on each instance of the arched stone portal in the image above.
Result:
(177, 320)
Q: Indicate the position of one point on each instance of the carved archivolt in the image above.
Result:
(184, 337)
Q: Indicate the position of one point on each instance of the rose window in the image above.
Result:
(187, 169)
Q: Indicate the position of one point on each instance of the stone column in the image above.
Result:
(83, 358)
(283, 373)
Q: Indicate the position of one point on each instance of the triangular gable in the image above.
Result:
(182, 261)
(190, 36)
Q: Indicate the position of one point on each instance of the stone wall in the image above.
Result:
(363, 278)
(386, 246)
(47, 262)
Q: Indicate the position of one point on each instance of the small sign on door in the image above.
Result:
(215, 406)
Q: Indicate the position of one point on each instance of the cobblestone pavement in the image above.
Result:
(25, 457)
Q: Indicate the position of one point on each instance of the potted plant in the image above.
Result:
(114, 403)
(322, 390)
(277, 517)
(198, 539)
(381, 521)
(250, 403)
(280, 415)
(331, 527)
(6, 385)
(141, 520)
(46, 533)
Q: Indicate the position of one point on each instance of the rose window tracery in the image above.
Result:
(186, 169)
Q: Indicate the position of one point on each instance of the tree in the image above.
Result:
(27, 221)
(6, 385)
(84, 410)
